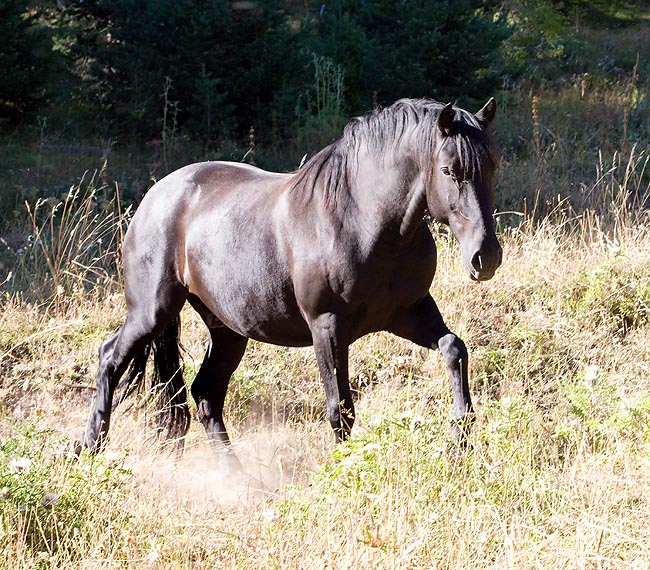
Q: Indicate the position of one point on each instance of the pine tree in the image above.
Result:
(226, 67)
(24, 60)
(440, 48)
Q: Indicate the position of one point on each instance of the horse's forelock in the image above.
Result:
(476, 148)
(476, 151)
(474, 145)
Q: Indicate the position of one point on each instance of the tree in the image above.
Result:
(25, 55)
(226, 66)
(226, 69)
(440, 48)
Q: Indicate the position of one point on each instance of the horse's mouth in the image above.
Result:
(482, 267)
(476, 275)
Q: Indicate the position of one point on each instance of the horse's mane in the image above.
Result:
(330, 170)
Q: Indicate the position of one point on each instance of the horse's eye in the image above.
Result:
(445, 170)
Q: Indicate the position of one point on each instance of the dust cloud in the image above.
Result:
(258, 467)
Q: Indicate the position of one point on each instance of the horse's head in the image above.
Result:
(460, 191)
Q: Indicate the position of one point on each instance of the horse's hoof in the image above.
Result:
(459, 450)
(227, 462)
(72, 450)
(460, 430)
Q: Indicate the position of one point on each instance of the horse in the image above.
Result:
(321, 256)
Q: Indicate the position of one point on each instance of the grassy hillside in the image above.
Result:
(557, 473)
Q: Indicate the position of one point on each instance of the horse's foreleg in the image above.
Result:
(455, 356)
(332, 357)
(423, 324)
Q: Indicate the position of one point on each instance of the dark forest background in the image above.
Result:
(140, 70)
(135, 88)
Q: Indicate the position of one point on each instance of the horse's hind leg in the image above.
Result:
(141, 327)
(209, 388)
(423, 324)
(223, 355)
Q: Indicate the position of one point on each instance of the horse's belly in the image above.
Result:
(280, 329)
(282, 334)
(252, 301)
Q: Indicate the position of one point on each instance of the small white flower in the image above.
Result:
(270, 515)
(20, 464)
(591, 374)
(113, 456)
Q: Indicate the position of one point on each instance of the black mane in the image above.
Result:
(329, 171)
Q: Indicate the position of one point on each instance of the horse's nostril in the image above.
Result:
(477, 263)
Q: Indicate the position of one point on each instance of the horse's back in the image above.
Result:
(210, 181)
(202, 187)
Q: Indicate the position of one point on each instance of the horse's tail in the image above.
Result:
(167, 391)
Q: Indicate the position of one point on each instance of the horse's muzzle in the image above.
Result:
(485, 262)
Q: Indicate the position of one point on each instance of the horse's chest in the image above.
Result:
(384, 280)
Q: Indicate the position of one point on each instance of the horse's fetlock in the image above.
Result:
(461, 428)
(203, 410)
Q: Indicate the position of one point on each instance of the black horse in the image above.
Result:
(321, 256)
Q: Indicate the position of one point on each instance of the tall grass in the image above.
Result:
(563, 140)
(320, 115)
(72, 247)
(556, 474)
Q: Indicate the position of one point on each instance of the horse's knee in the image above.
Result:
(453, 350)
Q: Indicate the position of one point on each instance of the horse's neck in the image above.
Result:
(390, 197)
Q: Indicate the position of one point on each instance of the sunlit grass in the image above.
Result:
(556, 475)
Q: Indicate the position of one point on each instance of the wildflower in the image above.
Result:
(20, 464)
(270, 515)
(591, 374)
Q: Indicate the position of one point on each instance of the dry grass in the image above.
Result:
(557, 475)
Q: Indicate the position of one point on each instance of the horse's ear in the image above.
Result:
(486, 114)
(446, 118)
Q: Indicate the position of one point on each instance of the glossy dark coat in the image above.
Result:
(322, 256)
